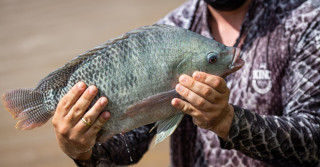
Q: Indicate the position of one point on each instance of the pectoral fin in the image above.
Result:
(153, 108)
(161, 101)
(166, 127)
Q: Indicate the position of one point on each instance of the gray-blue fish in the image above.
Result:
(136, 71)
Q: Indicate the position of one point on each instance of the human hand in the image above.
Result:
(207, 97)
(75, 136)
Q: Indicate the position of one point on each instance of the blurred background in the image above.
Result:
(37, 37)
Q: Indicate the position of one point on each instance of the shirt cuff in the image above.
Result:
(234, 129)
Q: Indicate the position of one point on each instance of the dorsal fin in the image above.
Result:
(59, 78)
(137, 31)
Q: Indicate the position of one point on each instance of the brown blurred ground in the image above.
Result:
(38, 36)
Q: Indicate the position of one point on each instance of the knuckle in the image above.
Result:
(76, 108)
(200, 102)
(204, 77)
(54, 122)
(215, 99)
(216, 83)
(186, 93)
(73, 139)
(69, 118)
(187, 108)
(209, 78)
(96, 127)
(196, 115)
(63, 108)
(83, 141)
(64, 131)
(180, 106)
(63, 103)
(206, 91)
(87, 96)
(192, 83)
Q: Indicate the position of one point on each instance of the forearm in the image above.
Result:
(115, 150)
(276, 140)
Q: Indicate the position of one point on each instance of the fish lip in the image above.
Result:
(236, 54)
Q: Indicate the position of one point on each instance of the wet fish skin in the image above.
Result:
(136, 71)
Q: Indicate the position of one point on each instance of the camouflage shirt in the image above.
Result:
(276, 95)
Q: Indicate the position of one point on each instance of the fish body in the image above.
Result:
(137, 72)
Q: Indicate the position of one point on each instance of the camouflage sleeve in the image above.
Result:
(275, 140)
(120, 150)
(294, 138)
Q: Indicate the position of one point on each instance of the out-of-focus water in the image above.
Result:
(37, 37)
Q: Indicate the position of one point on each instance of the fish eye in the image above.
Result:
(212, 58)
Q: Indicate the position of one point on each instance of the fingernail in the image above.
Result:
(179, 88)
(183, 79)
(174, 102)
(106, 115)
(196, 75)
(80, 85)
(92, 90)
(103, 101)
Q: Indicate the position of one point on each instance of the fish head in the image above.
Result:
(218, 60)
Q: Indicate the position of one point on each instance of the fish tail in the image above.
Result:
(28, 107)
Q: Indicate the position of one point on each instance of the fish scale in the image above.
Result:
(136, 71)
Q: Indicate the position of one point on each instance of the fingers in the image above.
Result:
(193, 98)
(92, 115)
(82, 104)
(74, 136)
(199, 88)
(209, 87)
(185, 107)
(199, 118)
(216, 82)
(70, 99)
(73, 105)
(206, 95)
(207, 99)
(98, 124)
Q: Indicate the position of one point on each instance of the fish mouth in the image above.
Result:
(237, 62)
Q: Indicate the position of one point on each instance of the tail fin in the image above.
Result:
(27, 106)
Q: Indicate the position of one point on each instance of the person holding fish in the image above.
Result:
(267, 113)
(222, 112)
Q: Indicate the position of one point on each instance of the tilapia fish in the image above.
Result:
(137, 72)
